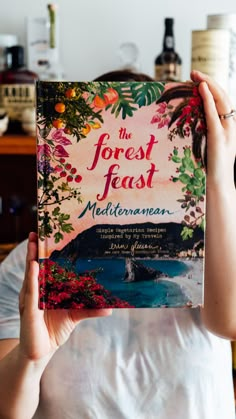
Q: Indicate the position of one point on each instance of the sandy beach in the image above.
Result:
(192, 282)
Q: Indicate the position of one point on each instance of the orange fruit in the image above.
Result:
(111, 96)
(99, 102)
(69, 93)
(58, 123)
(96, 125)
(60, 107)
(86, 129)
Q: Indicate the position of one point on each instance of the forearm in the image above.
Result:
(219, 313)
(19, 385)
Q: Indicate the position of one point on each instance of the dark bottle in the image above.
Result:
(168, 63)
(17, 88)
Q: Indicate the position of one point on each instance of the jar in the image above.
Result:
(210, 54)
(228, 22)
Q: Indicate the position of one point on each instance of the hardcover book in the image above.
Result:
(121, 194)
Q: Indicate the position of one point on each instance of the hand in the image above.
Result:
(221, 135)
(42, 332)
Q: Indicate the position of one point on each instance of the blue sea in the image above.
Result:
(142, 293)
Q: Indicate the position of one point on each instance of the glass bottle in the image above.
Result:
(17, 88)
(168, 63)
(52, 68)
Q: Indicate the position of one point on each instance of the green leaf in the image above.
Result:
(56, 211)
(187, 152)
(195, 182)
(186, 233)
(63, 217)
(184, 178)
(199, 173)
(190, 188)
(182, 169)
(40, 183)
(176, 159)
(188, 164)
(145, 93)
(67, 228)
(57, 237)
(198, 192)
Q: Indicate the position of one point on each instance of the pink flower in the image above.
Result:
(155, 119)
(162, 107)
(164, 122)
(59, 151)
(44, 150)
(58, 137)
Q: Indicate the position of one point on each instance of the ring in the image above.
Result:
(228, 115)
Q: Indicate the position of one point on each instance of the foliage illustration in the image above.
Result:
(184, 119)
(192, 175)
(67, 111)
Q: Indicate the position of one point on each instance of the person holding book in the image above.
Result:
(131, 363)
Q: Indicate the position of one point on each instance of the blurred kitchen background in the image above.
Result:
(92, 32)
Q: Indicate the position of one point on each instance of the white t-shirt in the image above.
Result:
(135, 364)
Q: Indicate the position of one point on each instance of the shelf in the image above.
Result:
(17, 144)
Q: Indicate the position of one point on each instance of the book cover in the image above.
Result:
(121, 194)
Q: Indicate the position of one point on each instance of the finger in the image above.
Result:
(29, 296)
(212, 118)
(32, 249)
(222, 101)
(32, 254)
(32, 288)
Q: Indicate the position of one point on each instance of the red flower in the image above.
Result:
(59, 151)
(194, 101)
(186, 111)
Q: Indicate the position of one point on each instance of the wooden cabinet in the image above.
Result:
(18, 192)
(17, 145)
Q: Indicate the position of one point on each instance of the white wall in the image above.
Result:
(91, 31)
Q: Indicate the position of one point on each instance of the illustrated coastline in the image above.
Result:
(191, 283)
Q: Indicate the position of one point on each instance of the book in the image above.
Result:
(121, 194)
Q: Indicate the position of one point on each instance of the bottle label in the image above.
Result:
(169, 42)
(168, 72)
(15, 98)
(210, 54)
